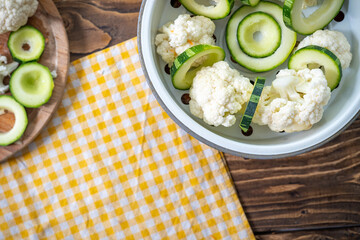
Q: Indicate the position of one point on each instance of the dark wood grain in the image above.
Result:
(94, 25)
(313, 191)
(352, 233)
(317, 189)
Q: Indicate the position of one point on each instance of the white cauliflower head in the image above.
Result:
(15, 13)
(294, 102)
(185, 32)
(5, 70)
(217, 93)
(334, 41)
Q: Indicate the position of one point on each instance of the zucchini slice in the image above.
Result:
(294, 19)
(181, 73)
(252, 3)
(26, 44)
(259, 35)
(252, 104)
(288, 39)
(21, 120)
(32, 84)
(221, 10)
(315, 57)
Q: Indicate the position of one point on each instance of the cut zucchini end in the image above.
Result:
(21, 120)
(32, 85)
(26, 44)
(252, 104)
(182, 73)
(259, 35)
(294, 19)
(252, 3)
(221, 10)
(288, 39)
(312, 55)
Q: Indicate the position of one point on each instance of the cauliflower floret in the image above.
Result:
(185, 32)
(334, 41)
(54, 73)
(3, 59)
(217, 93)
(15, 13)
(5, 70)
(307, 3)
(294, 102)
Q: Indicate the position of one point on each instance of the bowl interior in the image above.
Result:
(263, 143)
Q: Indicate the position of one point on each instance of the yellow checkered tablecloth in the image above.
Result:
(113, 165)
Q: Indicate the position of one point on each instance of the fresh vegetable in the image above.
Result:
(252, 3)
(26, 44)
(183, 70)
(259, 35)
(15, 13)
(294, 102)
(295, 20)
(287, 44)
(5, 70)
(307, 3)
(218, 11)
(217, 93)
(316, 57)
(334, 41)
(32, 85)
(252, 104)
(8, 103)
(185, 32)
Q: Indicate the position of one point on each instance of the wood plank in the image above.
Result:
(352, 233)
(318, 189)
(94, 25)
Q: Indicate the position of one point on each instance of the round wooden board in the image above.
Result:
(56, 56)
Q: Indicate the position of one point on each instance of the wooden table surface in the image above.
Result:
(312, 196)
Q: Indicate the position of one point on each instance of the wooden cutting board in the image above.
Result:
(56, 57)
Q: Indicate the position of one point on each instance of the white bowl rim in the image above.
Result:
(202, 139)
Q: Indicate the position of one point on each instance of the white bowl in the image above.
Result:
(342, 109)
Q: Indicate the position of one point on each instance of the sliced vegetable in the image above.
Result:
(21, 121)
(218, 11)
(259, 35)
(26, 44)
(32, 85)
(252, 104)
(287, 44)
(252, 3)
(182, 73)
(316, 57)
(295, 20)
